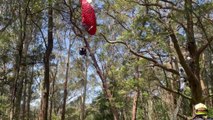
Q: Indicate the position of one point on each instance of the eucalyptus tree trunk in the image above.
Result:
(45, 85)
(52, 93)
(18, 83)
(136, 96)
(29, 93)
(178, 105)
(24, 78)
(135, 104)
(24, 98)
(150, 108)
(65, 84)
(84, 90)
(105, 84)
(194, 67)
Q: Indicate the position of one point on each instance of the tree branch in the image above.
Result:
(42, 34)
(184, 117)
(166, 1)
(9, 22)
(7, 25)
(209, 40)
(117, 21)
(176, 92)
(157, 5)
(181, 57)
(202, 48)
(141, 56)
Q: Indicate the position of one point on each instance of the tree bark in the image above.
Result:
(150, 109)
(45, 85)
(137, 93)
(84, 90)
(135, 103)
(192, 49)
(24, 96)
(105, 85)
(29, 93)
(65, 84)
(175, 113)
(52, 91)
(18, 83)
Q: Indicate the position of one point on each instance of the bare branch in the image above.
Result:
(176, 92)
(37, 12)
(166, 1)
(7, 25)
(42, 34)
(201, 49)
(141, 56)
(9, 22)
(117, 21)
(184, 117)
(209, 40)
(156, 5)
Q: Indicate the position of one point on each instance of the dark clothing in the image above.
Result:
(198, 118)
(83, 51)
(201, 118)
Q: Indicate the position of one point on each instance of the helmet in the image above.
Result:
(200, 109)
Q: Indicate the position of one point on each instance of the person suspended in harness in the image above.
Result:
(201, 112)
(182, 80)
(83, 51)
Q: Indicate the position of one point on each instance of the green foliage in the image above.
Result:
(4, 107)
(210, 112)
(160, 110)
(6, 40)
(204, 8)
(101, 109)
(73, 113)
(187, 91)
(56, 117)
(143, 25)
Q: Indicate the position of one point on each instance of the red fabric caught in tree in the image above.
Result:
(88, 16)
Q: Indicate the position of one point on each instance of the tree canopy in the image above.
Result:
(149, 59)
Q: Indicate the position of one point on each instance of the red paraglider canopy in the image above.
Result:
(88, 16)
